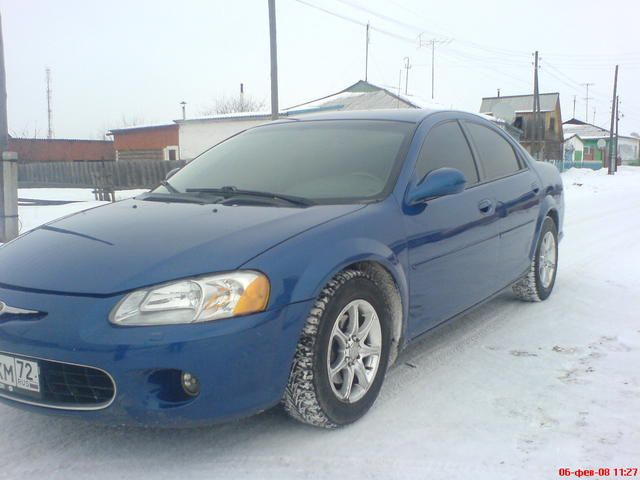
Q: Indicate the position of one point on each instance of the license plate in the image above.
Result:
(18, 374)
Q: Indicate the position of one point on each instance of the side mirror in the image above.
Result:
(171, 173)
(438, 183)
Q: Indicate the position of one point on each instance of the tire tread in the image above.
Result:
(300, 398)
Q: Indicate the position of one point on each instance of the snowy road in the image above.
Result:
(510, 391)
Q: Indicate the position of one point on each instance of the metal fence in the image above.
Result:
(120, 175)
(563, 165)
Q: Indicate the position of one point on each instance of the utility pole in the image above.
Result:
(586, 99)
(183, 104)
(49, 111)
(399, 89)
(242, 97)
(574, 106)
(615, 164)
(536, 112)
(594, 116)
(366, 56)
(407, 66)
(498, 93)
(274, 60)
(8, 164)
(433, 68)
(612, 160)
(432, 43)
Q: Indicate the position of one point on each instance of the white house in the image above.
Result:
(573, 148)
(629, 149)
(198, 134)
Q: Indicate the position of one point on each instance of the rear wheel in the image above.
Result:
(541, 277)
(342, 354)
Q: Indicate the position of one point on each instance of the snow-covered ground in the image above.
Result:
(32, 216)
(511, 391)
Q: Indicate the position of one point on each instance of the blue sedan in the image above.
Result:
(288, 264)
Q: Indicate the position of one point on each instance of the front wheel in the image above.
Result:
(342, 354)
(541, 277)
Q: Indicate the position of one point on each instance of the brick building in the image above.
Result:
(62, 150)
(147, 142)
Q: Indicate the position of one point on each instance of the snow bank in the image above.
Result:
(31, 217)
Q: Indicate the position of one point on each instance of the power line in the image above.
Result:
(494, 50)
(468, 58)
(586, 99)
(380, 15)
(432, 43)
(413, 41)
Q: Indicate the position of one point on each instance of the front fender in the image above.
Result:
(300, 267)
(332, 259)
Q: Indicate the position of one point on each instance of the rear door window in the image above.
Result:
(446, 146)
(497, 156)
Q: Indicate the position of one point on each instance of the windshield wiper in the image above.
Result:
(228, 192)
(168, 186)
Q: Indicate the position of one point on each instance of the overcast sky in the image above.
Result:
(129, 61)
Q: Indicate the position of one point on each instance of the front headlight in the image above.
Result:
(194, 300)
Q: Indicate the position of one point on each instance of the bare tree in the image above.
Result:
(123, 122)
(130, 121)
(26, 132)
(241, 103)
(635, 134)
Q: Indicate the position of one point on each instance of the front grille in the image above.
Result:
(65, 384)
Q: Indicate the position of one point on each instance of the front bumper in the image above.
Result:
(242, 363)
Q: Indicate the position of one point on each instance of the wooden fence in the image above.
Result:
(121, 175)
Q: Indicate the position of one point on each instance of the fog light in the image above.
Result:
(190, 384)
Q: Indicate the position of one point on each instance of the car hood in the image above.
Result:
(136, 243)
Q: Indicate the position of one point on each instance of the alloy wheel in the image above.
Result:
(547, 259)
(355, 346)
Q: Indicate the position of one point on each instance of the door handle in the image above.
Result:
(485, 206)
(535, 187)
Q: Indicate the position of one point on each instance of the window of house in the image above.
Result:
(497, 156)
(170, 153)
(446, 146)
(552, 124)
(518, 123)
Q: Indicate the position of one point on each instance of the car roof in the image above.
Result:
(413, 115)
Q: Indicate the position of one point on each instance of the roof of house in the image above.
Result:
(141, 127)
(228, 116)
(520, 103)
(574, 121)
(362, 95)
(398, 114)
(59, 140)
(586, 131)
(566, 139)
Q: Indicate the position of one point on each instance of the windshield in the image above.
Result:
(321, 161)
